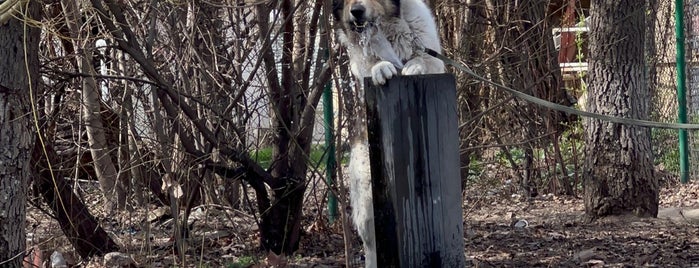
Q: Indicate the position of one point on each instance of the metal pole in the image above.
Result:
(681, 95)
(330, 162)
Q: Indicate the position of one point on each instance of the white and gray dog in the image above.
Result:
(382, 39)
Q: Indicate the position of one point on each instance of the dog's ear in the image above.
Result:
(338, 5)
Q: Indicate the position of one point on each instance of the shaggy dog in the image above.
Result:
(382, 38)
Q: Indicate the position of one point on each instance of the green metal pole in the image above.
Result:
(330, 162)
(681, 95)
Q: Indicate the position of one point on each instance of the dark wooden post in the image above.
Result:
(414, 152)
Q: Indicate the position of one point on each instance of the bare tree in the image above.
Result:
(510, 43)
(283, 59)
(527, 43)
(468, 43)
(104, 167)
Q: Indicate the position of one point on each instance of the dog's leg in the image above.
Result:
(414, 66)
(382, 71)
(423, 64)
(361, 199)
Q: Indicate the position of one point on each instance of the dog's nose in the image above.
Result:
(358, 11)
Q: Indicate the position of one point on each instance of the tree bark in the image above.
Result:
(19, 65)
(618, 171)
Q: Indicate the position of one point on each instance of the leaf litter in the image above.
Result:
(555, 234)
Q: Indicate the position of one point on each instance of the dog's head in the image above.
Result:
(357, 14)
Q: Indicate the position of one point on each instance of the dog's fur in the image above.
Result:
(380, 37)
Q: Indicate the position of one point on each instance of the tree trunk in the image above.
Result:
(618, 172)
(19, 64)
(104, 166)
(280, 229)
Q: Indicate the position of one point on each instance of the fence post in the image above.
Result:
(414, 153)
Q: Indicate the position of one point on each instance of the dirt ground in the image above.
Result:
(554, 234)
(558, 236)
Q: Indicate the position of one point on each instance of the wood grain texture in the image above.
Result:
(414, 152)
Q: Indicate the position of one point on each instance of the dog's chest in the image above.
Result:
(398, 35)
(389, 40)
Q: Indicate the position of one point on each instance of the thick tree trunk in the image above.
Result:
(19, 64)
(618, 172)
(280, 229)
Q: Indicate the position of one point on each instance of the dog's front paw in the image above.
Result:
(382, 71)
(414, 67)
